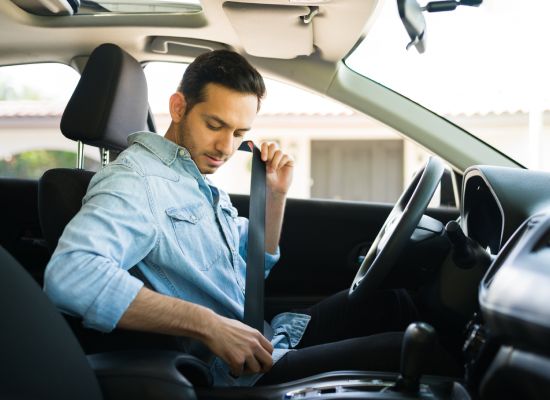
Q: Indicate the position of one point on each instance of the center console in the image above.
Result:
(418, 344)
(350, 385)
(176, 376)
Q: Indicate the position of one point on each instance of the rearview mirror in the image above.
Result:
(414, 22)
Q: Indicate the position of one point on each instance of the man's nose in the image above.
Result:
(225, 144)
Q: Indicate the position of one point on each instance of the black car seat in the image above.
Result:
(109, 103)
(41, 358)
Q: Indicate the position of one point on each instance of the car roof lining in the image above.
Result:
(178, 37)
(27, 34)
(254, 24)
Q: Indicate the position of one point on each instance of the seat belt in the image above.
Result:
(255, 262)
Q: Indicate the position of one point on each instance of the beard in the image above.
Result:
(197, 154)
(181, 136)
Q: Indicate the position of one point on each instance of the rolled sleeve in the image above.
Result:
(113, 301)
(91, 287)
(271, 260)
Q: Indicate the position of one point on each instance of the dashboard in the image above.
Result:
(497, 200)
(507, 212)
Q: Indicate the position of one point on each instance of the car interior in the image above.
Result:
(477, 268)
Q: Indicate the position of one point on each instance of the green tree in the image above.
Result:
(32, 164)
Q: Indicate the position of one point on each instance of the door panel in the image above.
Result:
(20, 232)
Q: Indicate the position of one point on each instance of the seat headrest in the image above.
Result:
(109, 102)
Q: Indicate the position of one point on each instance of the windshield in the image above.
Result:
(485, 68)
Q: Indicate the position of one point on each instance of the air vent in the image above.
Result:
(506, 250)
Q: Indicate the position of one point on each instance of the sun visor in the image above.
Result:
(274, 31)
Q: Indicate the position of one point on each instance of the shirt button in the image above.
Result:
(182, 152)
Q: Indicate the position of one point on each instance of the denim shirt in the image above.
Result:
(152, 208)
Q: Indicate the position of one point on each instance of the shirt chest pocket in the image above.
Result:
(197, 235)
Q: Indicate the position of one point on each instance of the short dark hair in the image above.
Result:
(225, 68)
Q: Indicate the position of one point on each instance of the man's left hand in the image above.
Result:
(279, 168)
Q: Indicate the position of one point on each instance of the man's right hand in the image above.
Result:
(243, 348)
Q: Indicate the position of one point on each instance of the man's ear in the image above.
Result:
(177, 106)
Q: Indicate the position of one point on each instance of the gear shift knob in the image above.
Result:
(416, 351)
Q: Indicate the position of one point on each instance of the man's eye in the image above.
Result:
(238, 134)
(212, 127)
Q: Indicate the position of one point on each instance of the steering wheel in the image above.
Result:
(397, 229)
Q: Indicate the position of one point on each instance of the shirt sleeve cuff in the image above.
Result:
(106, 311)
(271, 260)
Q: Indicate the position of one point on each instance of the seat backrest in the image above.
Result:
(60, 193)
(109, 103)
(39, 356)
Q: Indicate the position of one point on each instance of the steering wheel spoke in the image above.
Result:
(397, 229)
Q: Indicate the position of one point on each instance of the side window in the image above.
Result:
(32, 99)
(340, 154)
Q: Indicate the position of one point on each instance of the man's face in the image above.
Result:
(214, 129)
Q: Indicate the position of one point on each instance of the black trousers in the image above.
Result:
(344, 335)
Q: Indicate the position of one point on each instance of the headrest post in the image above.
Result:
(104, 156)
(80, 155)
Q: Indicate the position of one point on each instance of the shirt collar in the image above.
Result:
(166, 150)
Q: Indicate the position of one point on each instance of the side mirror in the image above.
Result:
(414, 22)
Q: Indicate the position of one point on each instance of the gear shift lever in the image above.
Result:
(416, 350)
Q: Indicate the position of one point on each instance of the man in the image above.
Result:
(154, 207)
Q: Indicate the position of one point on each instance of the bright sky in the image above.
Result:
(478, 59)
(52, 81)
